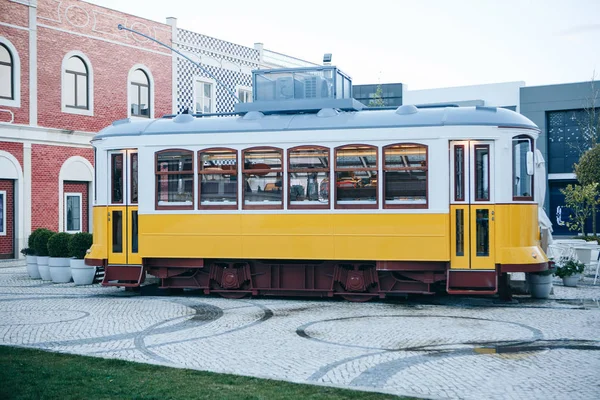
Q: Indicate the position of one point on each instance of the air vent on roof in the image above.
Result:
(253, 115)
(183, 118)
(407, 109)
(327, 112)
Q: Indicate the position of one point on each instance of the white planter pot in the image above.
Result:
(82, 274)
(572, 280)
(42, 263)
(60, 269)
(32, 267)
(540, 286)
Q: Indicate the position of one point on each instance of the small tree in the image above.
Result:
(582, 200)
(377, 100)
(588, 172)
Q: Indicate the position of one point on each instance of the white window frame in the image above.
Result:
(212, 84)
(67, 195)
(90, 88)
(3, 194)
(151, 81)
(246, 89)
(16, 64)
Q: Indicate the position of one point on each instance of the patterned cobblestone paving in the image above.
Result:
(441, 348)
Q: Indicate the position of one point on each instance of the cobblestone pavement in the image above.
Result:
(441, 348)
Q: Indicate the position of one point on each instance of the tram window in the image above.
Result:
(482, 173)
(262, 174)
(217, 169)
(405, 175)
(134, 177)
(308, 177)
(522, 182)
(116, 166)
(356, 176)
(459, 173)
(174, 179)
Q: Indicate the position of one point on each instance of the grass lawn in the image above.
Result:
(35, 374)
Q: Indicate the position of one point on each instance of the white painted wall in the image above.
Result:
(492, 95)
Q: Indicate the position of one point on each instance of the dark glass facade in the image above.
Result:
(391, 93)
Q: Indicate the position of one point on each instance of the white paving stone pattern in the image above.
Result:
(440, 348)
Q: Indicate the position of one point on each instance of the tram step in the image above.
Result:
(123, 275)
(472, 282)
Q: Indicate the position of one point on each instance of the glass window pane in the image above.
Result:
(482, 167)
(460, 232)
(405, 156)
(218, 189)
(263, 159)
(144, 101)
(207, 90)
(406, 187)
(207, 106)
(117, 231)
(356, 187)
(76, 64)
(309, 158)
(134, 231)
(135, 99)
(177, 188)
(82, 91)
(263, 189)
(308, 188)
(117, 178)
(482, 233)
(5, 55)
(169, 161)
(69, 89)
(73, 213)
(459, 173)
(5, 81)
(356, 157)
(2, 212)
(134, 178)
(139, 76)
(522, 184)
(218, 160)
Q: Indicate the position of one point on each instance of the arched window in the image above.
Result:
(263, 181)
(405, 175)
(7, 74)
(76, 84)
(308, 177)
(218, 183)
(522, 182)
(356, 176)
(174, 179)
(139, 94)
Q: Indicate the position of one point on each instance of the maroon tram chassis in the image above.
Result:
(351, 280)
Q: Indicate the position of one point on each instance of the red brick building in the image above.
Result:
(66, 72)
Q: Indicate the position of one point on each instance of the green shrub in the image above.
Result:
(30, 249)
(571, 267)
(40, 242)
(58, 245)
(79, 244)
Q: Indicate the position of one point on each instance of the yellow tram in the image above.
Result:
(307, 192)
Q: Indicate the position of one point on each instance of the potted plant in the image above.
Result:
(78, 247)
(59, 262)
(570, 272)
(540, 283)
(40, 246)
(29, 253)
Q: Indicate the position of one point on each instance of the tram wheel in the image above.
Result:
(234, 295)
(357, 298)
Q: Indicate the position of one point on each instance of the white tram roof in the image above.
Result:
(326, 119)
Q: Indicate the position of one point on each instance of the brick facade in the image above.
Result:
(46, 164)
(6, 241)
(15, 149)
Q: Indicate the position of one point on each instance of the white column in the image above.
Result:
(32, 63)
(173, 22)
(26, 226)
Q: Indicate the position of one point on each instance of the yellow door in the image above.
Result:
(122, 214)
(472, 206)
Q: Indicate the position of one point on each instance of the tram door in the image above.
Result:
(471, 204)
(122, 215)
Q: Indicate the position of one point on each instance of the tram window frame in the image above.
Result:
(459, 192)
(245, 171)
(423, 168)
(233, 172)
(158, 174)
(291, 170)
(477, 182)
(337, 169)
(134, 168)
(516, 139)
(120, 177)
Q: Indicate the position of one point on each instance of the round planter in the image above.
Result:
(32, 267)
(572, 280)
(60, 269)
(540, 286)
(82, 274)
(42, 263)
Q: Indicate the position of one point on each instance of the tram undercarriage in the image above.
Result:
(351, 280)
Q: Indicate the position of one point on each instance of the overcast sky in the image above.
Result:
(422, 43)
